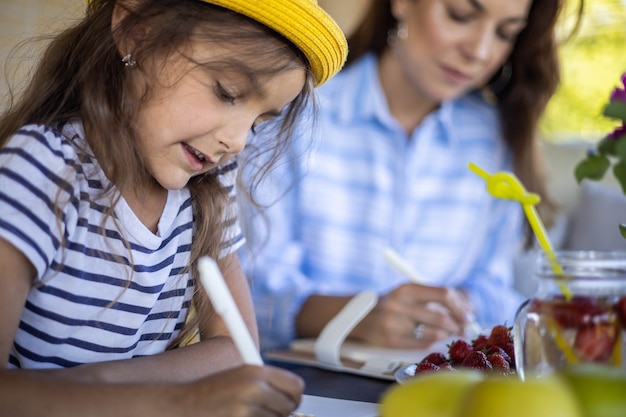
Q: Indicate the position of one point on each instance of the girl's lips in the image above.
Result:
(196, 159)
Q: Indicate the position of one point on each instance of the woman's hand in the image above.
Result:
(414, 316)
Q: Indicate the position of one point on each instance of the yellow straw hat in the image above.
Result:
(305, 24)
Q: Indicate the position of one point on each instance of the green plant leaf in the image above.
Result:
(592, 167)
(619, 170)
(622, 230)
(606, 146)
(615, 109)
(620, 147)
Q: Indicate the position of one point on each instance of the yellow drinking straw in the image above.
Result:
(505, 185)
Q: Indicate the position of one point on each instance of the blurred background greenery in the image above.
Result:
(592, 63)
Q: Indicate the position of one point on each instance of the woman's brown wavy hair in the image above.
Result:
(80, 75)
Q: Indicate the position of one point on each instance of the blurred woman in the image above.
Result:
(430, 86)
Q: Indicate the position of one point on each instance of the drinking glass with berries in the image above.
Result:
(577, 315)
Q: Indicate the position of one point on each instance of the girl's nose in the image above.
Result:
(234, 137)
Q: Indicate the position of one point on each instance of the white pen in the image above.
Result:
(402, 266)
(222, 300)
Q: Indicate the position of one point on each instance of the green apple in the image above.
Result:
(600, 389)
(497, 396)
(431, 394)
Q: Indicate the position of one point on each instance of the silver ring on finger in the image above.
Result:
(418, 332)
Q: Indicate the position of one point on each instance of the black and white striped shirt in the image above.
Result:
(85, 308)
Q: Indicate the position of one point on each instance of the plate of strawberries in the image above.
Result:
(491, 352)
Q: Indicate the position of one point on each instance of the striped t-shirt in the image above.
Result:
(85, 307)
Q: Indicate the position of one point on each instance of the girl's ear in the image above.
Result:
(126, 41)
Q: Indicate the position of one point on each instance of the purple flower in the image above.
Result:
(619, 94)
(617, 132)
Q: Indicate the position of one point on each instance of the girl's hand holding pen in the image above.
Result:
(243, 392)
(255, 389)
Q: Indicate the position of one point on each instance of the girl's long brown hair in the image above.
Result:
(80, 75)
(521, 103)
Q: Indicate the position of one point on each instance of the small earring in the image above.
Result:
(497, 84)
(128, 60)
(402, 32)
(399, 32)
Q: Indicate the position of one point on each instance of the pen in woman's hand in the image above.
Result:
(223, 303)
(472, 328)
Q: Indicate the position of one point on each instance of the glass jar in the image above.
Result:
(577, 315)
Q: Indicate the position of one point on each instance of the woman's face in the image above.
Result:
(197, 117)
(454, 46)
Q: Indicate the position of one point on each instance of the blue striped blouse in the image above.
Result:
(363, 185)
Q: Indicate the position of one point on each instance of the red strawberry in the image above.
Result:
(425, 366)
(458, 350)
(436, 358)
(621, 310)
(446, 366)
(497, 350)
(499, 363)
(595, 343)
(477, 360)
(480, 343)
(500, 336)
(577, 312)
(510, 350)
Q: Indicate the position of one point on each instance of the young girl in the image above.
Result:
(117, 172)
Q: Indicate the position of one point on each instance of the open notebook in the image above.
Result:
(314, 406)
(356, 358)
(331, 351)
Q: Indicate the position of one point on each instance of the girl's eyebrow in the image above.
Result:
(257, 88)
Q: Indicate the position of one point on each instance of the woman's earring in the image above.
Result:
(400, 32)
(499, 81)
(128, 60)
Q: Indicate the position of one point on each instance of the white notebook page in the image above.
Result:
(315, 406)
